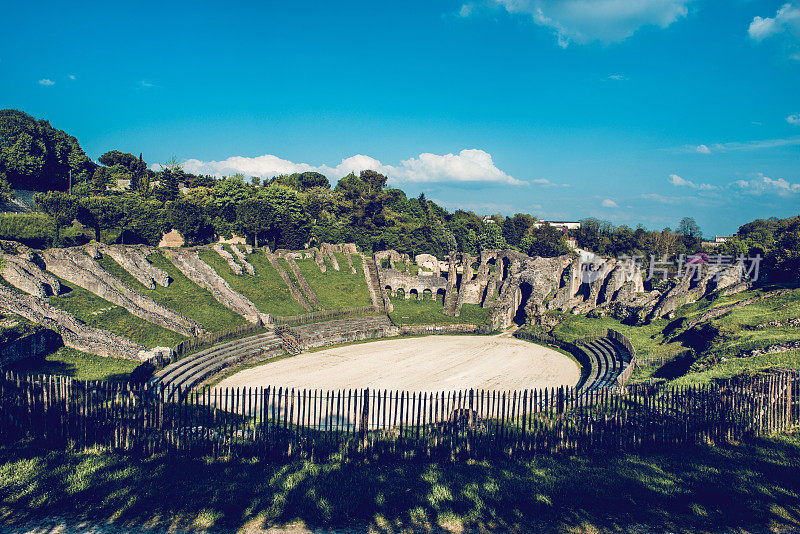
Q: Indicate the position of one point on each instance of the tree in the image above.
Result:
(515, 228)
(545, 241)
(254, 217)
(59, 205)
(492, 237)
(34, 155)
(690, 233)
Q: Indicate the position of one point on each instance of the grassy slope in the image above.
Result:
(80, 365)
(337, 289)
(100, 313)
(737, 335)
(431, 311)
(182, 295)
(752, 487)
(266, 289)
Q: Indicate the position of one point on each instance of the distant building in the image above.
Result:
(560, 225)
(718, 240)
(488, 219)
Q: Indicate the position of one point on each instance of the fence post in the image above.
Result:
(364, 419)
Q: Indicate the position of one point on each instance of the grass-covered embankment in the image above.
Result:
(266, 289)
(340, 289)
(182, 295)
(76, 364)
(720, 344)
(98, 312)
(745, 487)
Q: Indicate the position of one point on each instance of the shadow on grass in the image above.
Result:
(754, 486)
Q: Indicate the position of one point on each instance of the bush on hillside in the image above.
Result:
(35, 230)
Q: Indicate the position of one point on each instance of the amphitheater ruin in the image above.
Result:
(514, 289)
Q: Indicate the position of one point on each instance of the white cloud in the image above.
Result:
(764, 184)
(661, 198)
(547, 183)
(468, 166)
(145, 83)
(759, 144)
(618, 77)
(702, 149)
(608, 203)
(786, 20)
(46, 82)
(794, 119)
(606, 21)
(71, 77)
(677, 181)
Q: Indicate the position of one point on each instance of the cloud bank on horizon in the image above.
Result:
(468, 166)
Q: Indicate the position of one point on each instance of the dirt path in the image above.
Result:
(431, 363)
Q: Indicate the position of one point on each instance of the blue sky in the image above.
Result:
(635, 111)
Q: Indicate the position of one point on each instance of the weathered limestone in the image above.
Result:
(329, 250)
(235, 267)
(134, 260)
(318, 259)
(74, 333)
(294, 291)
(429, 261)
(243, 259)
(350, 263)
(24, 274)
(301, 280)
(76, 267)
(374, 286)
(199, 272)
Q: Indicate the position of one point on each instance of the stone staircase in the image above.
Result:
(344, 331)
(608, 358)
(195, 368)
(376, 292)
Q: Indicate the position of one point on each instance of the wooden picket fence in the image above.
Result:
(278, 422)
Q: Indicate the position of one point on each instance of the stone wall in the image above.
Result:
(133, 259)
(77, 267)
(35, 344)
(24, 274)
(74, 333)
(199, 272)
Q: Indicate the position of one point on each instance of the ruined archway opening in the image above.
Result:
(525, 295)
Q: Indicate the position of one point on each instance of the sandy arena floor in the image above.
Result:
(432, 363)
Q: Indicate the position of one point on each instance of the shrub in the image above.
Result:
(35, 230)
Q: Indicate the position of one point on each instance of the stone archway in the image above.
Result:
(521, 298)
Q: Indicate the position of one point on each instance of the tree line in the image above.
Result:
(122, 199)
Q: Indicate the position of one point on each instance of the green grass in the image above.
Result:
(182, 295)
(719, 342)
(753, 486)
(98, 312)
(266, 289)
(431, 311)
(736, 366)
(76, 364)
(337, 290)
(285, 266)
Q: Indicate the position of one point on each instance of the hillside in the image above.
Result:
(716, 337)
